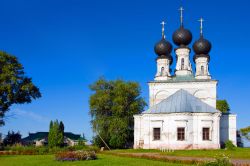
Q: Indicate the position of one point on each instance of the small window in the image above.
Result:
(157, 133)
(202, 70)
(162, 71)
(182, 63)
(181, 134)
(205, 134)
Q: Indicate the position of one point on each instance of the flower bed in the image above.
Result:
(75, 155)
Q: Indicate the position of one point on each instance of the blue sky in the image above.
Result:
(65, 45)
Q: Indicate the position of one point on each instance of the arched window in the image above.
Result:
(182, 63)
(202, 70)
(162, 71)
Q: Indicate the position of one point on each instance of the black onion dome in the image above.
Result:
(163, 47)
(202, 46)
(182, 37)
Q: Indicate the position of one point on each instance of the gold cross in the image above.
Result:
(181, 11)
(201, 20)
(163, 29)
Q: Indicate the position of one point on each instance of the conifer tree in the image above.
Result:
(56, 134)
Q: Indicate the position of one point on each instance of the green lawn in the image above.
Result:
(240, 153)
(103, 160)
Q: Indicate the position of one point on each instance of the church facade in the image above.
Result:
(182, 110)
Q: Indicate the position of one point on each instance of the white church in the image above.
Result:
(182, 110)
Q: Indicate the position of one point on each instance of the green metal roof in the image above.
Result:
(181, 102)
(185, 78)
(44, 135)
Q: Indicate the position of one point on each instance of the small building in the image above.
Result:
(240, 139)
(41, 139)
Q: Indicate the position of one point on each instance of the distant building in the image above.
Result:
(41, 139)
(182, 110)
(239, 139)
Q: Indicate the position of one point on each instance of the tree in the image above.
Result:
(56, 134)
(84, 138)
(246, 132)
(52, 135)
(222, 106)
(12, 138)
(61, 134)
(15, 87)
(112, 106)
(61, 127)
(82, 141)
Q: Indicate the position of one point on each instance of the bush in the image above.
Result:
(26, 150)
(82, 147)
(75, 155)
(41, 150)
(12, 138)
(1, 147)
(224, 161)
(229, 145)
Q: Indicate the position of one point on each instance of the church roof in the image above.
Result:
(181, 101)
(184, 78)
(44, 135)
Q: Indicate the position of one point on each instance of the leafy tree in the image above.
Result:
(15, 87)
(56, 134)
(112, 106)
(12, 138)
(222, 106)
(246, 132)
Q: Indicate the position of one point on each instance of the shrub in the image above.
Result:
(26, 150)
(75, 155)
(41, 150)
(220, 161)
(12, 138)
(229, 145)
(82, 147)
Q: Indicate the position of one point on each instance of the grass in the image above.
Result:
(103, 160)
(239, 153)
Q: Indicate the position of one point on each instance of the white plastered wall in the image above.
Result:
(204, 90)
(202, 62)
(228, 128)
(183, 53)
(168, 123)
(162, 69)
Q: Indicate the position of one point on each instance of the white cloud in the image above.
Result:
(29, 114)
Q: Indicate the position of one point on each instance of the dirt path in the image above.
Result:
(187, 160)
